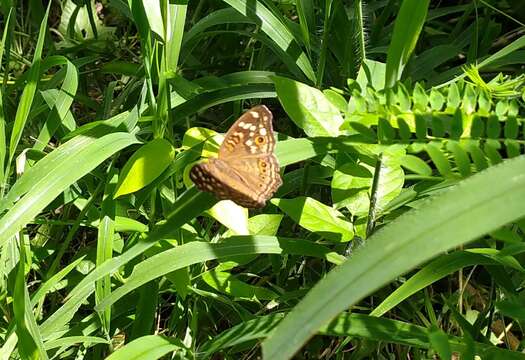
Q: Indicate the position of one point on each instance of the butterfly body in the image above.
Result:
(246, 170)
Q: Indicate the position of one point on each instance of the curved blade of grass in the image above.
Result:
(189, 205)
(68, 341)
(60, 104)
(30, 345)
(407, 27)
(216, 97)
(475, 206)
(198, 252)
(218, 17)
(149, 347)
(54, 173)
(276, 30)
(437, 269)
(3, 140)
(353, 325)
(26, 100)
(287, 58)
(457, 73)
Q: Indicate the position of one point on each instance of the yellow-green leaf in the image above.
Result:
(144, 166)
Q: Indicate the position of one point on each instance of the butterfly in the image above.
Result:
(246, 170)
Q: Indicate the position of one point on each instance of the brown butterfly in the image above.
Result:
(246, 171)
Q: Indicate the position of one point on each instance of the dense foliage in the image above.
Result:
(398, 231)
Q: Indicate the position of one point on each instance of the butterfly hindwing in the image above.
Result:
(226, 183)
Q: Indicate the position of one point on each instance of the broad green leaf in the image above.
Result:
(196, 135)
(231, 215)
(391, 177)
(490, 199)
(371, 74)
(154, 16)
(351, 185)
(308, 107)
(352, 182)
(125, 224)
(420, 98)
(265, 224)
(416, 165)
(144, 166)
(317, 218)
(436, 99)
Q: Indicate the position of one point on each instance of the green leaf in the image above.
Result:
(439, 341)
(371, 74)
(149, 347)
(188, 205)
(229, 284)
(351, 185)
(199, 252)
(42, 183)
(407, 27)
(308, 107)
(30, 343)
(317, 218)
(416, 165)
(275, 29)
(231, 215)
(144, 166)
(391, 177)
(355, 326)
(430, 273)
(493, 198)
(26, 100)
(154, 16)
(513, 308)
(436, 99)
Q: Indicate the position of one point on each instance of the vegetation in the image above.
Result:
(398, 231)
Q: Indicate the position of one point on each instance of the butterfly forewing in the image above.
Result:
(246, 170)
(250, 135)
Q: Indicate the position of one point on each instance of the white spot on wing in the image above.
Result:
(262, 131)
(253, 127)
(249, 142)
(255, 114)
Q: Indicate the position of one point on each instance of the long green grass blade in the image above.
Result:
(493, 197)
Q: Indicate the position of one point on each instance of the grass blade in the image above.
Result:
(493, 197)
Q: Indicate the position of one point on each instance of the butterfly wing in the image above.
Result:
(250, 135)
(217, 177)
(246, 170)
